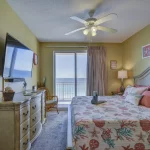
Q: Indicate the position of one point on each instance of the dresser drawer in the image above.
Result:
(24, 113)
(35, 99)
(35, 118)
(35, 130)
(25, 104)
(25, 142)
(24, 128)
(35, 105)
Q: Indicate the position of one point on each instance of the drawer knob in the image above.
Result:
(34, 131)
(34, 119)
(25, 143)
(33, 107)
(25, 114)
(25, 129)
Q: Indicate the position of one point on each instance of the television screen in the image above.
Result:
(18, 59)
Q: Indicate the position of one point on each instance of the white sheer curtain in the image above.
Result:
(96, 70)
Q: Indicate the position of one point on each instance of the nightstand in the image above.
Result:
(117, 93)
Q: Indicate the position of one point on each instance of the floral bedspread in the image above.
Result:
(114, 125)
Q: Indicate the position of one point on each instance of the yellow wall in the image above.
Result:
(127, 54)
(132, 54)
(11, 23)
(114, 52)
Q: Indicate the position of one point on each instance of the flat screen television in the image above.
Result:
(18, 59)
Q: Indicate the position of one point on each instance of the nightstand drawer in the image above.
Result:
(115, 93)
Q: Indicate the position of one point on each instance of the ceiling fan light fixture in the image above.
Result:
(85, 32)
(94, 33)
(92, 25)
(93, 29)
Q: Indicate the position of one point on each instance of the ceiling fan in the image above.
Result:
(92, 25)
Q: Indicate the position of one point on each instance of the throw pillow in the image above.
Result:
(127, 90)
(148, 87)
(145, 101)
(138, 90)
(133, 98)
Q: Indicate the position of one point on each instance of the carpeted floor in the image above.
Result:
(54, 133)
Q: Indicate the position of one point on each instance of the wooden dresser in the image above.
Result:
(21, 121)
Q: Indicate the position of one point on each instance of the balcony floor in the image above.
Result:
(63, 104)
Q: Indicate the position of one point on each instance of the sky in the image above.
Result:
(65, 65)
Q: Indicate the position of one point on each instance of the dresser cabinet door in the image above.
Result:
(24, 113)
(35, 104)
(35, 118)
(25, 142)
(35, 130)
(24, 128)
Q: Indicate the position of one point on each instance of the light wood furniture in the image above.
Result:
(117, 93)
(43, 107)
(69, 130)
(21, 121)
(51, 101)
(35, 117)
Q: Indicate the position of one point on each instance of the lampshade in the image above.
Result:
(122, 74)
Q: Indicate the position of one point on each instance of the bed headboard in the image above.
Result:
(143, 78)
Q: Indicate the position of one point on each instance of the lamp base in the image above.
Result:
(122, 88)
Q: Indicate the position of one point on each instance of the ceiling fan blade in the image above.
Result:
(75, 30)
(106, 18)
(78, 19)
(106, 29)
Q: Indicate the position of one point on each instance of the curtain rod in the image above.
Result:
(66, 46)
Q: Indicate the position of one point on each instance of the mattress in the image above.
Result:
(113, 125)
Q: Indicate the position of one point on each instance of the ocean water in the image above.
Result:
(65, 88)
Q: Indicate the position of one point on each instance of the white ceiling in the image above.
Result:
(49, 19)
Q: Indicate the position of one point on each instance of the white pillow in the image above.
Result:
(133, 99)
(138, 90)
(134, 90)
(127, 90)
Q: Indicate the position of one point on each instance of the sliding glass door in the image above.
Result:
(64, 75)
(70, 74)
(81, 65)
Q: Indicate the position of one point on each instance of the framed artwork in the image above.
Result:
(113, 64)
(146, 51)
(35, 59)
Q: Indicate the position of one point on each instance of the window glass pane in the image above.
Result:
(65, 75)
(81, 73)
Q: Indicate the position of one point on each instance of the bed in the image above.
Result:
(114, 125)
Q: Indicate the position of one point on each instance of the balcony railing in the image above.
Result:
(66, 90)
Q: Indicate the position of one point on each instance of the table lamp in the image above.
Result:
(122, 74)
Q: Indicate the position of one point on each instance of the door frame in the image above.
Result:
(54, 66)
